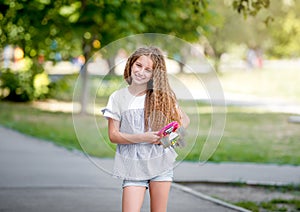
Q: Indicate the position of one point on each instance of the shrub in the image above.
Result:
(62, 88)
(24, 83)
(16, 86)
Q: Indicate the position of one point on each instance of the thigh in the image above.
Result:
(133, 197)
(159, 194)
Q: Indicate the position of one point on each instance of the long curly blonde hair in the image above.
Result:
(160, 103)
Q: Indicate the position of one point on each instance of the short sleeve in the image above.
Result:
(112, 109)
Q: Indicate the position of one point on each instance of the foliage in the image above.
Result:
(250, 7)
(286, 41)
(74, 27)
(275, 30)
(88, 24)
(62, 88)
(232, 29)
(40, 85)
(33, 33)
(25, 83)
(17, 86)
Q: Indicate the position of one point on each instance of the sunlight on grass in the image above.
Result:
(278, 84)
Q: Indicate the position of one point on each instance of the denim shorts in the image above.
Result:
(166, 176)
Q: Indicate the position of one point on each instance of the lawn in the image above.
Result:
(249, 135)
(276, 84)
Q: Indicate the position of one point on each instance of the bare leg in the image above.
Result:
(133, 197)
(159, 194)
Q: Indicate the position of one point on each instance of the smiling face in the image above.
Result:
(142, 70)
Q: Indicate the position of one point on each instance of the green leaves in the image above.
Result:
(250, 7)
(32, 23)
(71, 11)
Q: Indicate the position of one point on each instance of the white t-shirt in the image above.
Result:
(141, 160)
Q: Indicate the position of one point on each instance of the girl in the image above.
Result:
(135, 114)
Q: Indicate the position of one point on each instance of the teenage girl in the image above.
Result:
(135, 115)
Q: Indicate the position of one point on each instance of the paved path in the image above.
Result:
(250, 173)
(38, 176)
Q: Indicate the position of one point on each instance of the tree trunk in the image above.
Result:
(85, 79)
(111, 63)
(85, 90)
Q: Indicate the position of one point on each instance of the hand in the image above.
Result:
(152, 137)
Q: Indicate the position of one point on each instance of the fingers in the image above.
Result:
(155, 133)
(156, 140)
(153, 137)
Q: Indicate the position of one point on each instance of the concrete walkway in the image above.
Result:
(37, 175)
(249, 173)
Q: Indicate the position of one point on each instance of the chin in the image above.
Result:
(139, 82)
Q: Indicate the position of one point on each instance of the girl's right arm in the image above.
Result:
(118, 137)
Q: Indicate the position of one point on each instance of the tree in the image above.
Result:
(235, 29)
(284, 31)
(85, 21)
(275, 31)
(81, 26)
(35, 24)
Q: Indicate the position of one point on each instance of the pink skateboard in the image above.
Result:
(169, 134)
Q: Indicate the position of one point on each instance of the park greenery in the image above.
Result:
(61, 30)
(68, 29)
(74, 28)
(250, 135)
(85, 22)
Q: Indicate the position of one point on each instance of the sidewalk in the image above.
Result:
(38, 176)
(249, 173)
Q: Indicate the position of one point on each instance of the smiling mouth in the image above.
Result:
(139, 77)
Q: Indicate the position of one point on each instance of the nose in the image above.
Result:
(142, 71)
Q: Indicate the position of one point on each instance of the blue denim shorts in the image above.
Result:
(166, 176)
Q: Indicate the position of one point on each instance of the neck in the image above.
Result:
(137, 90)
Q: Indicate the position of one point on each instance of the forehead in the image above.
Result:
(145, 61)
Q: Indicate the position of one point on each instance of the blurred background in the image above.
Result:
(253, 47)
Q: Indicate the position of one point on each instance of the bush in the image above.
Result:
(17, 86)
(62, 88)
(27, 83)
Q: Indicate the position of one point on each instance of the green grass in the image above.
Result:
(266, 137)
(272, 205)
(248, 136)
(57, 127)
(276, 204)
(280, 84)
